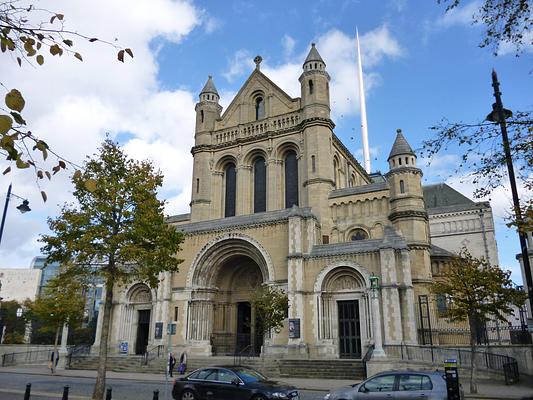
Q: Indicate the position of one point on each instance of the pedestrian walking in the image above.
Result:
(171, 363)
(183, 363)
(54, 359)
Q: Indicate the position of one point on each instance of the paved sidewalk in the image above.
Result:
(488, 390)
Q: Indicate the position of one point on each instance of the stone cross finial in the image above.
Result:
(257, 61)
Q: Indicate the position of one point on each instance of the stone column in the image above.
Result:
(390, 298)
(408, 313)
(244, 189)
(376, 317)
(63, 351)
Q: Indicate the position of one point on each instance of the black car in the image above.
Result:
(230, 383)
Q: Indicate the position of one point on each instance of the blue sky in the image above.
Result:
(420, 65)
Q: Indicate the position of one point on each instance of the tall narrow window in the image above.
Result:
(310, 86)
(231, 176)
(313, 164)
(259, 185)
(197, 185)
(402, 187)
(259, 108)
(202, 115)
(291, 179)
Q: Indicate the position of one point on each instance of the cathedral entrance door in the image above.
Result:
(143, 331)
(349, 329)
(244, 326)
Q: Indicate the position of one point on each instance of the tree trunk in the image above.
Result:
(473, 342)
(54, 351)
(99, 386)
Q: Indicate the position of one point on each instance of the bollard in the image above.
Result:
(108, 394)
(27, 393)
(156, 395)
(65, 393)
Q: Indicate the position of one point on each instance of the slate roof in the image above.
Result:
(246, 220)
(209, 86)
(313, 55)
(437, 251)
(442, 198)
(372, 187)
(178, 218)
(400, 146)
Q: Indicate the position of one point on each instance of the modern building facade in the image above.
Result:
(277, 199)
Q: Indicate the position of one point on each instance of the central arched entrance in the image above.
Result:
(234, 325)
(223, 278)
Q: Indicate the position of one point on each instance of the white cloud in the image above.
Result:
(288, 44)
(72, 104)
(242, 62)
(459, 16)
(506, 48)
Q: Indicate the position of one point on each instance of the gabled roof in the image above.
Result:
(442, 195)
(400, 146)
(314, 55)
(256, 74)
(209, 86)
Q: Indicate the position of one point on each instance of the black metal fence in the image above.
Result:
(26, 357)
(499, 363)
(229, 344)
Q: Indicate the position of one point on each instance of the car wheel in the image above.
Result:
(187, 395)
(259, 397)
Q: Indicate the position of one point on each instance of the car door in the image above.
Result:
(378, 388)
(227, 389)
(206, 384)
(414, 386)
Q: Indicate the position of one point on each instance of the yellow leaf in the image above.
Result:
(55, 49)
(77, 175)
(40, 59)
(6, 122)
(90, 185)
(21, 164)
(78, 56)
(14, 100)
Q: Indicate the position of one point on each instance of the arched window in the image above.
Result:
(310, 86)
(231, 180)
(335, 169)
(291, 179)
(358, 234)
(259, 108)
(259, 185)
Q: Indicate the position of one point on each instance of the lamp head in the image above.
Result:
(374, 282)
(24, 207)
(493, 115)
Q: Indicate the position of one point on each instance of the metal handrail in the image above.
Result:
(25, 356)
(237, 358)
(150, 354)
(77, 350)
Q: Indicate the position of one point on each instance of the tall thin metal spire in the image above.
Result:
(364, 126)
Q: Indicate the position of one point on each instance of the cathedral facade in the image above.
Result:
(277, 199)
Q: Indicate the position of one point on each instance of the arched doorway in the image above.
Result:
(343, 307)
(139, 310)
(222, 281)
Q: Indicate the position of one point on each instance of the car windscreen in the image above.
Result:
(249, 375)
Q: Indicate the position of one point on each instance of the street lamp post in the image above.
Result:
(378, 338)
(499, 115)
(23, 208)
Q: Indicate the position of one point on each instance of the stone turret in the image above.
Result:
(207, 113)
(407, 210)
(314, 83)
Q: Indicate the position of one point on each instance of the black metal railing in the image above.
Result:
(151, 353)
(26, 357)
(496, 334)
(436, 354)
(244, 354)
(78, 350)
(367, 357)
(229, 344)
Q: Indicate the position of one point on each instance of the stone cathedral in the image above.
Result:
(278, 199)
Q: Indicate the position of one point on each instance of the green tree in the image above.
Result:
(14, 325)
(270, 305)
(506, 22)
(29, 34)
(116, 231)
(62, 302)
(477, 293)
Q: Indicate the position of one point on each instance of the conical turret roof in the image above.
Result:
(209, 86)
(313, 55)
(400, 146)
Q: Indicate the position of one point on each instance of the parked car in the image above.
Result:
(230, 383)
(396, 385)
